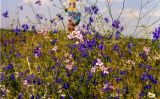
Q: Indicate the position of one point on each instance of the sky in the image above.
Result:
(128, 18)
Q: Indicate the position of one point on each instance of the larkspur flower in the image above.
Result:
(5, 14)
(39, 16)
(116, 47)
(146, 87)
(101, 47)
(117, 35)
(94, 9)
(66, 86)
(156, 34)
(38, 2)
(88, 10)
(60, 16)
(16, 30)
(55, 31)
(91, 20)
(106, 19)
(116, 24)
(25, 27)
(21, 7)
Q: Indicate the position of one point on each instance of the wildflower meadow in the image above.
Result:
(97, 56)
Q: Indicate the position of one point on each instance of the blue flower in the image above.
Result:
(10, 66)
(123, 72)
(95, 9)
(147, 87)
(116, 24)
(25, 27)
(88, 10)
(116, 47)
(5, 14)
(144, 77)
(156, 34)
(21, 7)
(16, 30)
(91, 20)
(66, 86)
(55, 31)
(84, 53)
(101, 47)
(60, 16)
(54, 41)
(117, 35)
(12, 77)
(40, 17)
(32, 97)
(106, 19)
(118, 79)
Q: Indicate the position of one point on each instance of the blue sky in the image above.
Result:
(128, 17)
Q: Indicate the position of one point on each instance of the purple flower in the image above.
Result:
(12, 77)
(5, 14)
(40, 17)
(37, 51)
(38, 2)
(117, 35)
(34, 28)
(55, 31)
(123, 72)
(152, 79)
(84, 53)
(118, 79)
(66, 86)
(54, 41)
(106, 19)
(20, 96)
(10, 66)
(21, 7)
(101, 47)
(88, 10)
(116, 47)
(59, 80)
(94, 9)
(146, 87)
(144, 77)
(60, 16)
(32, 97)
(16, 30)
(142, 93)
(25, 27)
(91, 20)
(116, 24)
(156, 34)
(2, 77)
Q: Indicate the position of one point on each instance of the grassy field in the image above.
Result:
(50, 65)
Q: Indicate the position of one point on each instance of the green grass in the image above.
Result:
(25, 43)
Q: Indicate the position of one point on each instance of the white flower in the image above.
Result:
(151, 95)
(25, 82)
(146, 49)
(99, 63)
(93, 69)
(70, 66)
(54, 48)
